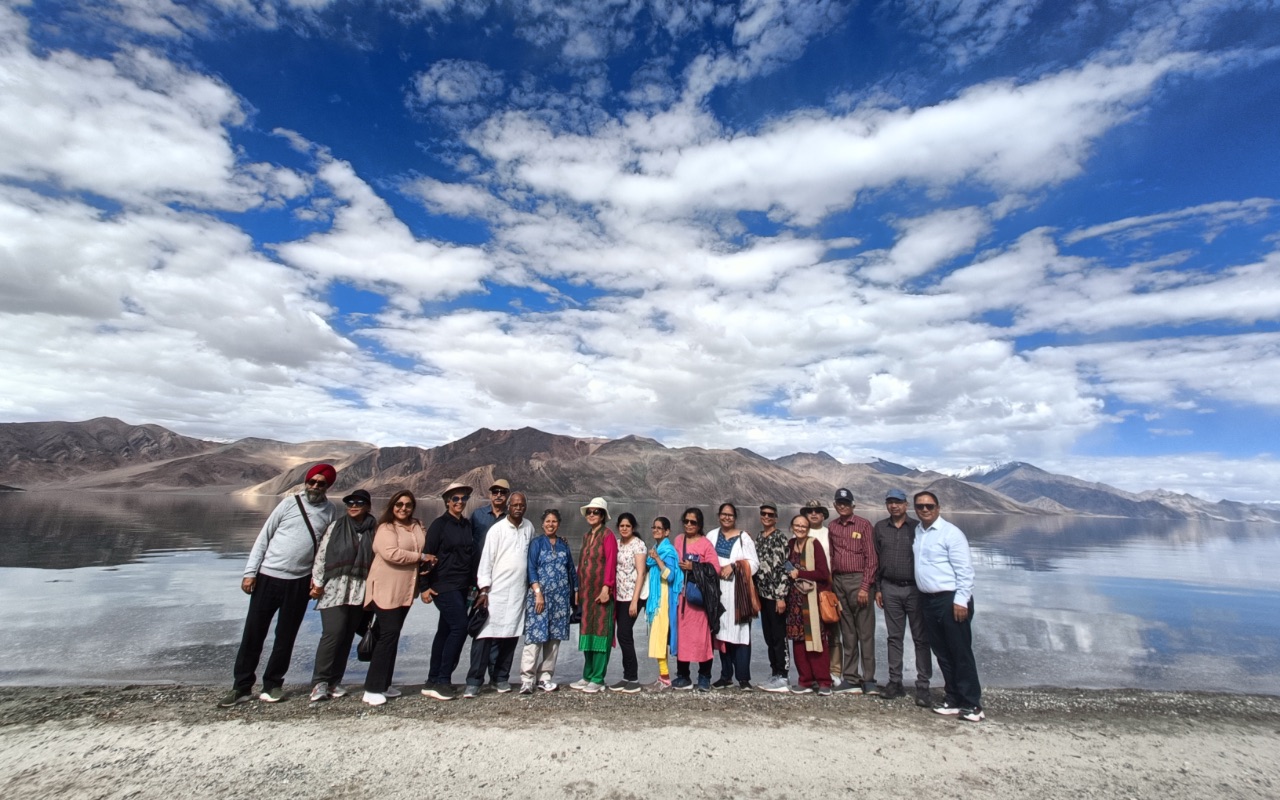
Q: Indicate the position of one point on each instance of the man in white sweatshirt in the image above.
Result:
(277, 579)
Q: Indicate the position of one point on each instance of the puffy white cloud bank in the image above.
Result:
(866, 277)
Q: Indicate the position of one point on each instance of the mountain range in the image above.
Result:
(107, 454)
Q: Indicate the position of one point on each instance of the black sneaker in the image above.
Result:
(744, 685)
(234, 698)
(946, 709)
(440, 691)
(972, 714)
(892, 691)
(923, 698)
(870, 689)
(681, 683)
(723, 683)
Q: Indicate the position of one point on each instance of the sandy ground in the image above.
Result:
(170, 741)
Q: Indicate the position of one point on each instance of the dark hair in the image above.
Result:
(390, 515)
(916, 498)
(666, 523)
(804, 517)
(635, 526)
(551, 512)
(697, 514)
(723, 506)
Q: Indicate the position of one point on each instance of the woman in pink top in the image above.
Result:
(393, 576)
(693, 629)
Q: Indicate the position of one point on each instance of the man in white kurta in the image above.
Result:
(733, 637)
(503, 578)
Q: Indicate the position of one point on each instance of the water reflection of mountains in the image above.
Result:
(68, 530)
(1037, 543)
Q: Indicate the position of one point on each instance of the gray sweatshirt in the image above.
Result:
(284, 548)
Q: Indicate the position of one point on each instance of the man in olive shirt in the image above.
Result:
(898, 596)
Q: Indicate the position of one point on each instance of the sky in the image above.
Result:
(939, 232)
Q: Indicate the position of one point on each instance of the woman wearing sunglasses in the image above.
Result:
(393, 574)
(597, 580)
(337, 585)
(450, 539)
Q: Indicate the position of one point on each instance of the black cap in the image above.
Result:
(844, 496)
(359, 494)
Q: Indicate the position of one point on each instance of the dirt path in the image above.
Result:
(139, 742)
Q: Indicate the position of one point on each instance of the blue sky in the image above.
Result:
(941, 233)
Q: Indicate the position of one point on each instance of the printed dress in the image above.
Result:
(551, 567)
(597, 568)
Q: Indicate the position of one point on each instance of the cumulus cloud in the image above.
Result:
(455, 87)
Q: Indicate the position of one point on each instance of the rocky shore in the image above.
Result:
(167, 741)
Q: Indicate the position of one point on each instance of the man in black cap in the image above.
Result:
(853, 574)
(899, 597)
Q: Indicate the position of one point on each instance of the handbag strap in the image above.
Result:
(315, 543)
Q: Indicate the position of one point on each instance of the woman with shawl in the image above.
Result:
(809, 575)
(666, 579)
(597, 578)
(737, 552)
(337, 584)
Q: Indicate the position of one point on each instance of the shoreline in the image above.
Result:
(170, 740)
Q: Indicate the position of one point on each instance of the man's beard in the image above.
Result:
(315, 496)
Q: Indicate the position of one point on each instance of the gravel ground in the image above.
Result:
(170, 741)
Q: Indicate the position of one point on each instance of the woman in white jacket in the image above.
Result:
(733, 545)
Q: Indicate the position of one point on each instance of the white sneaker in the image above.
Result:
(580, 686)
(526, 687)
(337, 691)
(548, 686)
(592, 688)
(776, 684)
(374, 699)
(391, 692)
(320, 692)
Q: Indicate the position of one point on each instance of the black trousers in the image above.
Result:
(340, 624)
(451, 635)
(624, 627)
(494, 655)
(774, 627)
(704, 669)
(952, 645)
(289, 597)
(382, 664)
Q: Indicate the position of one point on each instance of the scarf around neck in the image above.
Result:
(350, 550)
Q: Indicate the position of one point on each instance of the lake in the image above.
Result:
(113, 588)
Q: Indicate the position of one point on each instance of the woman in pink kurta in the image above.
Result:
(692, 626)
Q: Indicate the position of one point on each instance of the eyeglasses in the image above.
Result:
(926, 506)
(403, 504)
(356, 503)
(690, 522)
(318, 483)
(458, 498)
(657, 528)
(727, 514)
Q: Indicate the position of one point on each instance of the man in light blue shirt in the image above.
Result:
(944, 575)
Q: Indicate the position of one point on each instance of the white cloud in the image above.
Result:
(1214, 216)
(455, 81)
(137, 129)
(968, 29)
(925, 243)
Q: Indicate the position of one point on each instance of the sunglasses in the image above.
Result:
(458, 498)
(594, 512)
(356, 503)
(690, 521)
(768, 513)
(403, 504)
(318, 483)
(499, 491)
(926, 506)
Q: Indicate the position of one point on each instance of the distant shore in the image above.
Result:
(170, 741)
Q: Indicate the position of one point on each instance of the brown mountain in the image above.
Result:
(39, 454)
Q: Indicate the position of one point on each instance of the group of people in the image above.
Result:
(493, 577)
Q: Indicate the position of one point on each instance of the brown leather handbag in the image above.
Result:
(828, 607)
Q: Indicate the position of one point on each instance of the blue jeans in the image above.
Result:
(451, 635)
(735, 661)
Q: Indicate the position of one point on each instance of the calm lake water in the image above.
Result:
(133, 587)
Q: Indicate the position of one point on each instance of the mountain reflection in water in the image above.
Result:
(145, 587)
